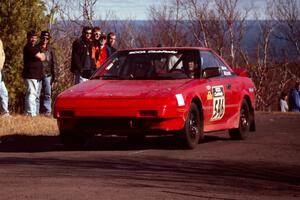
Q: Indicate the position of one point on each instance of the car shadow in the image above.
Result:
(24, 143)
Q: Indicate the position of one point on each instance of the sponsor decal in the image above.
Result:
(209, 96)
(208, 87)
(218, 96)
(162, 51)
(109, 66)
(251, 90)
(112, 64)
(223, 68)
(180, 100)
(227, 73)
(153, 51)
(137, 52)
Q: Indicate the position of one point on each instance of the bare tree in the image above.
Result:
(88, 11)
(272, 70)
(218, 24)
(198, 18)
(167, 24)
(234, 25)
(287, 13)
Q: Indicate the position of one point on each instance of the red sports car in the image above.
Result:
(137, 92)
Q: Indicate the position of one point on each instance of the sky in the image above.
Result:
(139, 9)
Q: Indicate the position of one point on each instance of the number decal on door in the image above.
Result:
(218, 102)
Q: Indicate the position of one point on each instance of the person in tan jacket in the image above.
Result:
(3, 91)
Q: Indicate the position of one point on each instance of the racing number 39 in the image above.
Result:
(218, 102)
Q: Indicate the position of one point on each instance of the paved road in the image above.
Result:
(265, 166)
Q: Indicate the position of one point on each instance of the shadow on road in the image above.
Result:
(21, 143)
(167, 174)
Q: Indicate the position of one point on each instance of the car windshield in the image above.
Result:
(150, 65)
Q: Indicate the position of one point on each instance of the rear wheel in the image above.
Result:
(193, 128)
(244, 124)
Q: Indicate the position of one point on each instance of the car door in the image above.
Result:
(233, 91)
(217, 98)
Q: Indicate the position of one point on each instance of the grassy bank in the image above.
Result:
(32, 126)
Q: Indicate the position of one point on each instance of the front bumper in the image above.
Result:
(120, 125)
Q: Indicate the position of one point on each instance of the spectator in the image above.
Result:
(96, 46)
(105, 51)
(294, 98)
(48, 72)
(283, 102)
(111, 39)
(3, 91)
(81, 64)
(32, 73)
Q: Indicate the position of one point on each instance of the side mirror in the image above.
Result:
(211, 72)
(240, 71)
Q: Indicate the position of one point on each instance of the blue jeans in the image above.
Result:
(79, 78)
(46, 88)
(3, 97)
(32, 96)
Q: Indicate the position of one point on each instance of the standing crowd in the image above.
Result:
(89, 51)
(291, 101)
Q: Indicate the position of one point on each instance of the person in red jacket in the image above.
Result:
(100, 51)
(96, 47)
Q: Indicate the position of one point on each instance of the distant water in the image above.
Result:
(252, 35)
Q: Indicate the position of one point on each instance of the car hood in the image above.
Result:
(125, 88)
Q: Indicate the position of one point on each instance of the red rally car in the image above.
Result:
(139, 92)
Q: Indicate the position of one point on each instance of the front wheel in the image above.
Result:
(242, 131)
(193, 128)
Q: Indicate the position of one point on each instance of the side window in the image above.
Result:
(224, 70)
(208, 60)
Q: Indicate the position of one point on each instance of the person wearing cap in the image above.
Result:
(3, 91)
(82, 64)
(111, 39)
(49, 66)
(32, 73)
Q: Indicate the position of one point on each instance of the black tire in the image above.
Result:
(242, 131)
(73, 139)
(193, 128)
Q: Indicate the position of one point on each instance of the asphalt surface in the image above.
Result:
(264, 166)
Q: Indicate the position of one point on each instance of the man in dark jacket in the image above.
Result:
(82, 64)
(32, 73)
(49, 66)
